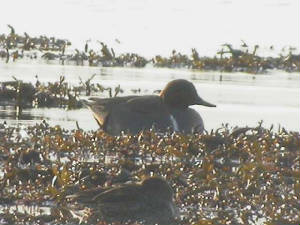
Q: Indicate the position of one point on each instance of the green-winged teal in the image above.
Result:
(169, 110)
(150, 200)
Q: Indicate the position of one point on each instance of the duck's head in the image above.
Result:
(181, 94)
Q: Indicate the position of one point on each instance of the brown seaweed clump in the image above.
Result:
(14, 46)
(228, 176)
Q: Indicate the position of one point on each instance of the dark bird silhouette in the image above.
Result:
(169, 110)
(150, 201)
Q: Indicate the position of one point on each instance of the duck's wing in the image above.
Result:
(143, 112)
(120, 194)
(85, 196)
(142, 104)
(122, 203)
(130, 114)
(101, 107)
(132, 202)
(147, 104)
(110, 102)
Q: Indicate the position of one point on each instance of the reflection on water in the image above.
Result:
(11, 113)
(241, 99)
(34, 210)
(53, 116)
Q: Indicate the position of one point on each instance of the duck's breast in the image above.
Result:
(188, 120)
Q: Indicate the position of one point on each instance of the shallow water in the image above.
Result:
(241, 99)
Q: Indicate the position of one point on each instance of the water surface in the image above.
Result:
(241, 99)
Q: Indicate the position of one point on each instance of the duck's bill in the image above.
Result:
(205, 103)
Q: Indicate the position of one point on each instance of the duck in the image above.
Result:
(164, 112)
(150, 200)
